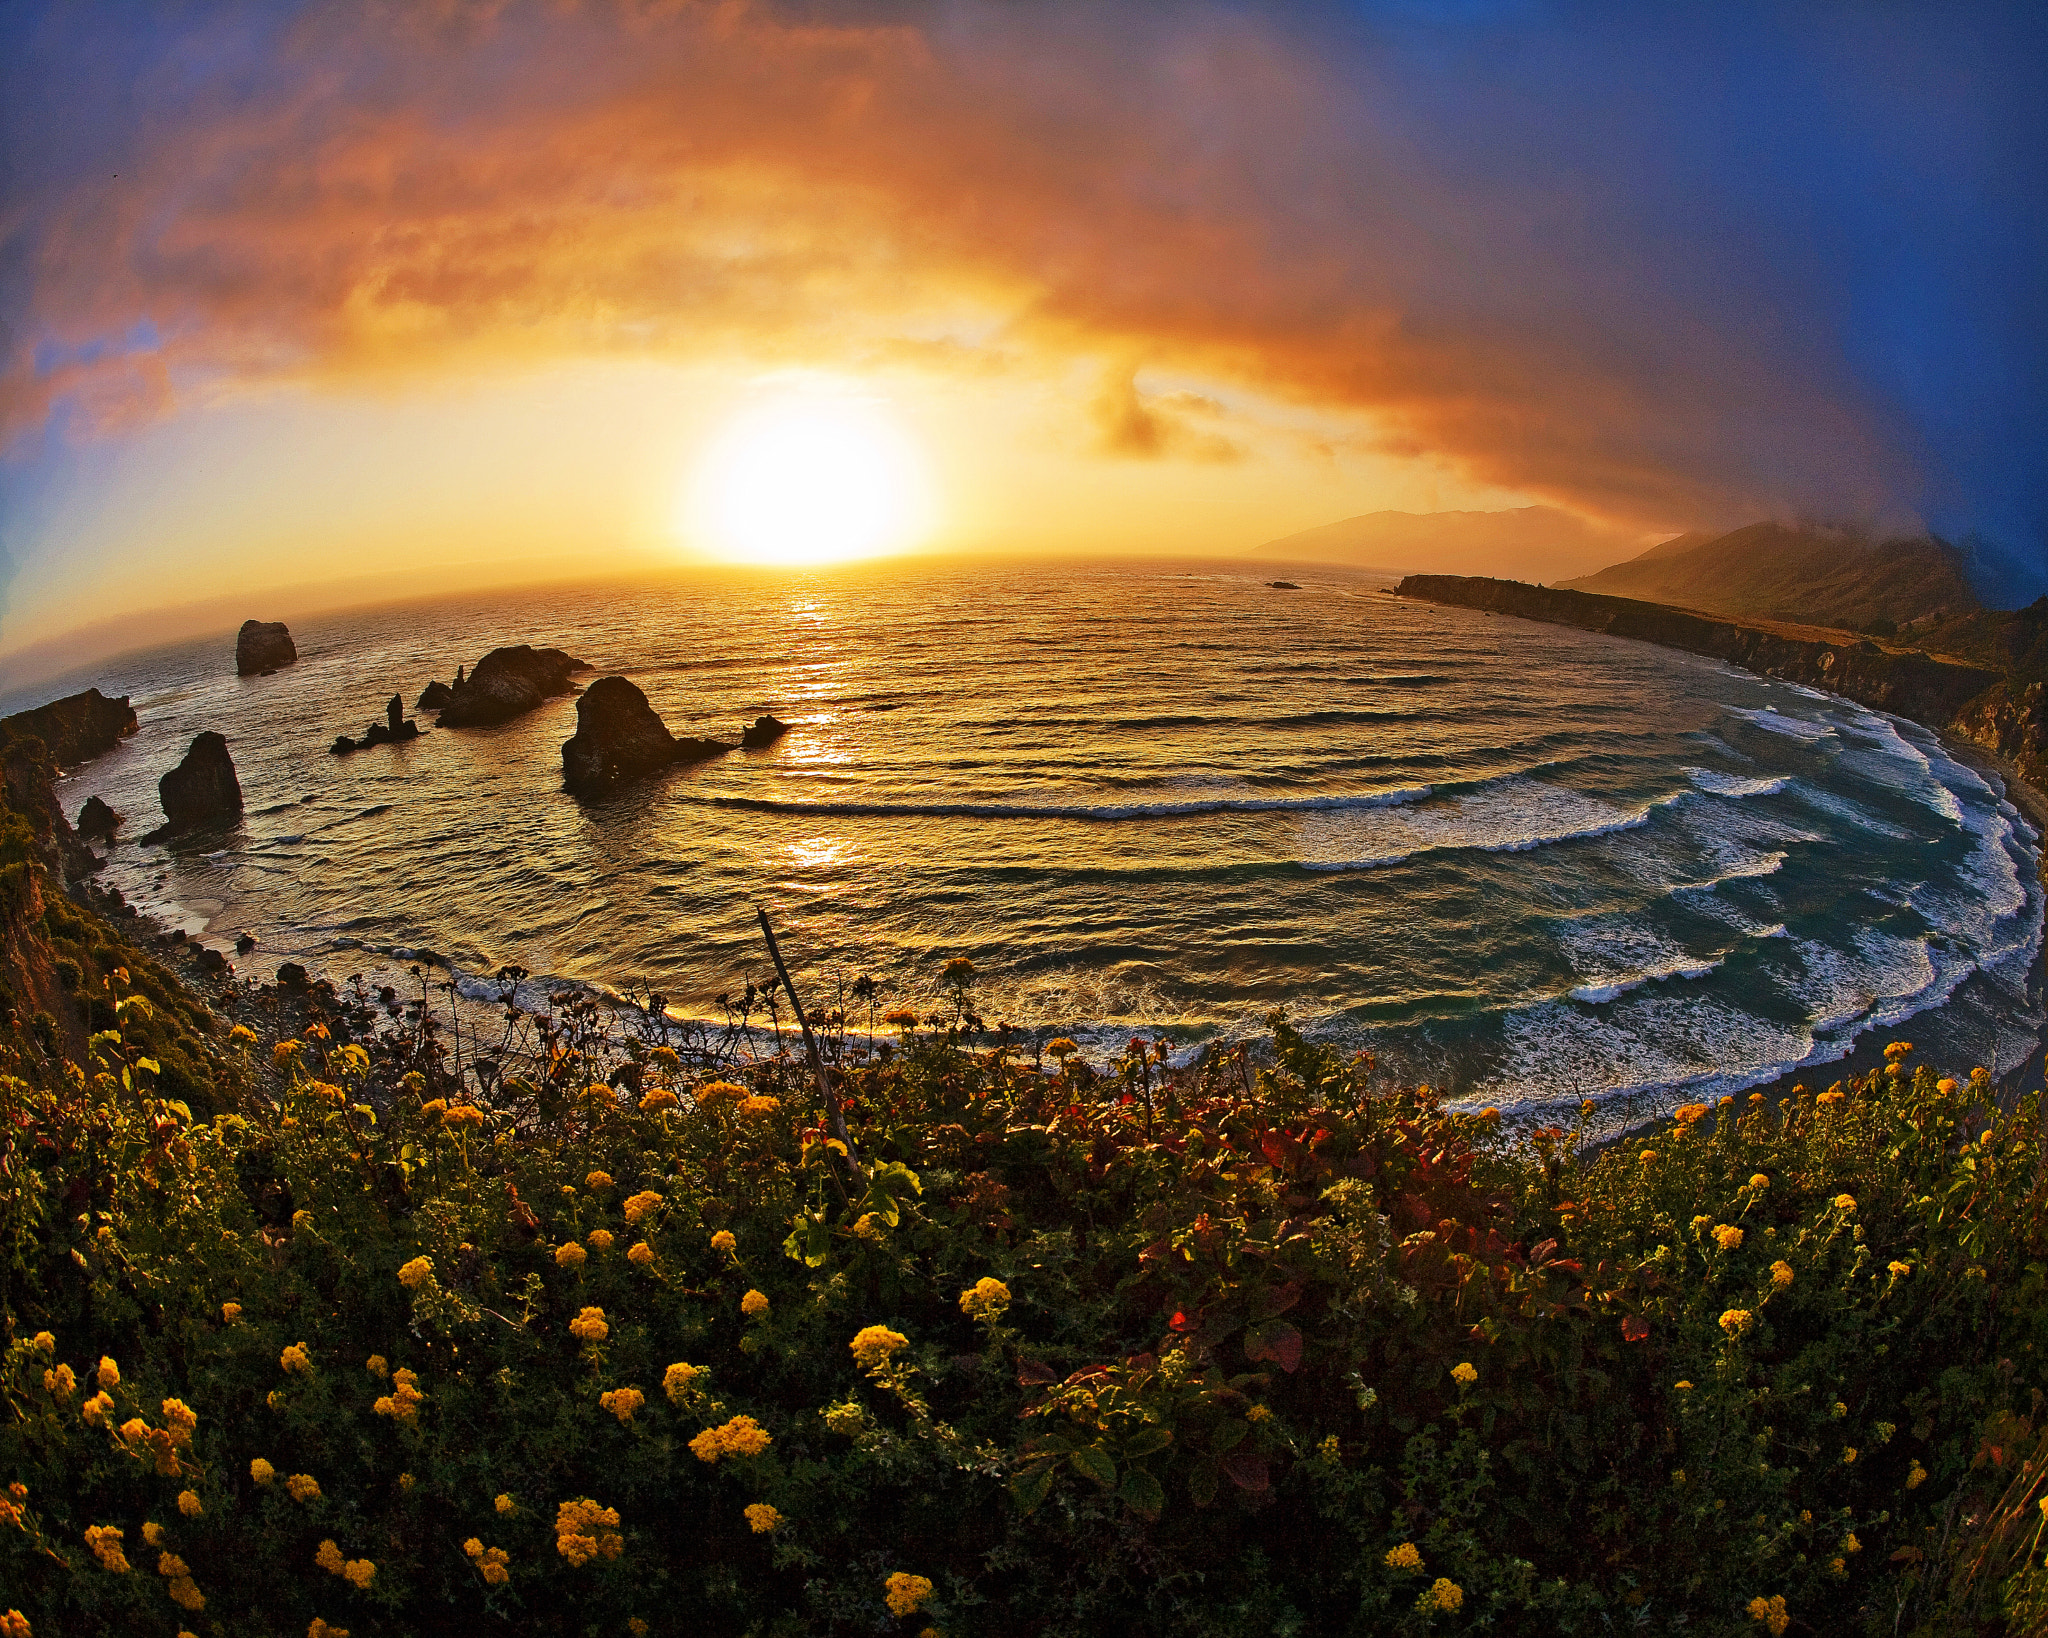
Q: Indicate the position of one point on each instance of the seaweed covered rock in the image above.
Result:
(619, 737)
(202, 791)
(263, 646)
(508, 682)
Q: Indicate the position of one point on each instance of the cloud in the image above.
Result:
(1673, 270)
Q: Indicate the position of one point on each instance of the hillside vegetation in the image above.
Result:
(1817, 577)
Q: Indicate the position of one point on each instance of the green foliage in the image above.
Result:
(1231, 1350)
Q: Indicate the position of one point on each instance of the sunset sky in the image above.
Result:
(422, 294)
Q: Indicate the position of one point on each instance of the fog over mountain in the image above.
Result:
(1525, 543)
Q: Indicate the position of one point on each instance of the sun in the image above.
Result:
(808, 479)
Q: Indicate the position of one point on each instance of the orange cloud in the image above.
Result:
(404, 194)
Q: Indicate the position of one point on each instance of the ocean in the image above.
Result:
(1527, 864)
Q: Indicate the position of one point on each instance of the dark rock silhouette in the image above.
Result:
(211, 961)
(245, 943)
(1284, 585)
(263, 646)
(766, 731)
(343, 745)
(291, 976)
(200, 791)
(394, 728)
(97, 820)
(434, 697)
(78, 727)
(394, 714)
(619, 737)
(508, 682)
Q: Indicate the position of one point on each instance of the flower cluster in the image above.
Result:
(754, 1304)
(590, 1326)
(403, 1402)
(494, 1564)
(985, 1299)
(105, 1543)
(905, 1594)
(586, 1531)
(622, 1402)
(1771, 1612)
(873, 1345)
(303, 1487)
(416, 1273)
(1728, 1237)
(761, 1518)
(742, 1436)
(1407, 1556)
(295, 1360)
(677, 1379)
(1445, 1595)
(358, 1572)
(640, 1205)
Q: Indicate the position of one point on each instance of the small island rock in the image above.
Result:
(263, 646)
(506, 683)
(619, 737)
(434, 697)
(97, 821)
(766, 731)
(202, 790)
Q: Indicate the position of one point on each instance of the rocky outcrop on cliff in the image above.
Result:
(618, 737)
(508, 682)
(1905, 682)
(78, 727)
(2011, 723)
(263, 646)
(201, 792)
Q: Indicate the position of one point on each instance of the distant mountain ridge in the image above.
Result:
(1527, 542)
(1812, 576)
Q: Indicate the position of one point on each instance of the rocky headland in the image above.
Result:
(619, 737)
(263, 646)
(78, 727)
(506, 683)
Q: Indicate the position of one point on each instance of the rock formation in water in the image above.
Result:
(434, 697)
(262, 647)
(508, 682)
(97, 820)
(766, 731)
(394, 729)
(202, 791)
(78, 727)
(618, 737)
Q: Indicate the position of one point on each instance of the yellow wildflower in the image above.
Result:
(1771, 1612)
(570, 1255)
(60, 1382)
(105, 1542)
(1407, 1557)
(95, 1409)
(1735, 1321)
(723, 1241)
(170, 1564)
(589, 1326)
(1757, 1180)
(660, 1098)
(905, 1594)
(584, 1531)
(1848, 1455)
(641, 1255)
(1728, 1237)
(761, 1518)
(1898, 1050)
(874, 1344)
(1683, 1387)
(189, 1504)
(230, 1312)
(377, 1365)
(185, 1593)
(153, 1533)
(600, 1239)
(109, 1373)
(622, 1402)
(1828, 1099)
(320, 1629)
(304, 1487)
(1845, 1202)
(416, 1273)
(742, 1436)
(1648, 1157)
(986, 1300)
(1445, 1595)
(1059, 1046)
(1781, 1274)
(637, 1627)
(1900, 1270)
(13, 1624)
(754, 1303)
(260, 1471)
(403, 1402)
(1464, 1374)
(46, 1341)
(328, 1557)
(359, 1572)
(639, 1205)
(504, 1503)
(598, 1180)
(1851, 1545)
(676, 1380)
(463, 1114)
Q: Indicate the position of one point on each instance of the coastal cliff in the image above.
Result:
(1906, 682)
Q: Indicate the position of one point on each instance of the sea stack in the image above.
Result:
(508, 682)
(618, 737)
(262, 647)
(202, 791)
(766, 731)
(96, 820)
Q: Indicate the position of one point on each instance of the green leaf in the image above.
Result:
(1148, 1439)
(1203, 1479)
(1092, 1461)
(1228, 1435)
(1027, 1490)
(1142, 1494)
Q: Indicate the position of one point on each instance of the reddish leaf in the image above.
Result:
(1247, 1470)
(1031, 1374)
(1275, 1300)
(1634, 1329)
(1275, 1340)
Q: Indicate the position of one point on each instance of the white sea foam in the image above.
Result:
(1511, 815)
(1107, 812)
(1778, 722)
(1717, 783)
